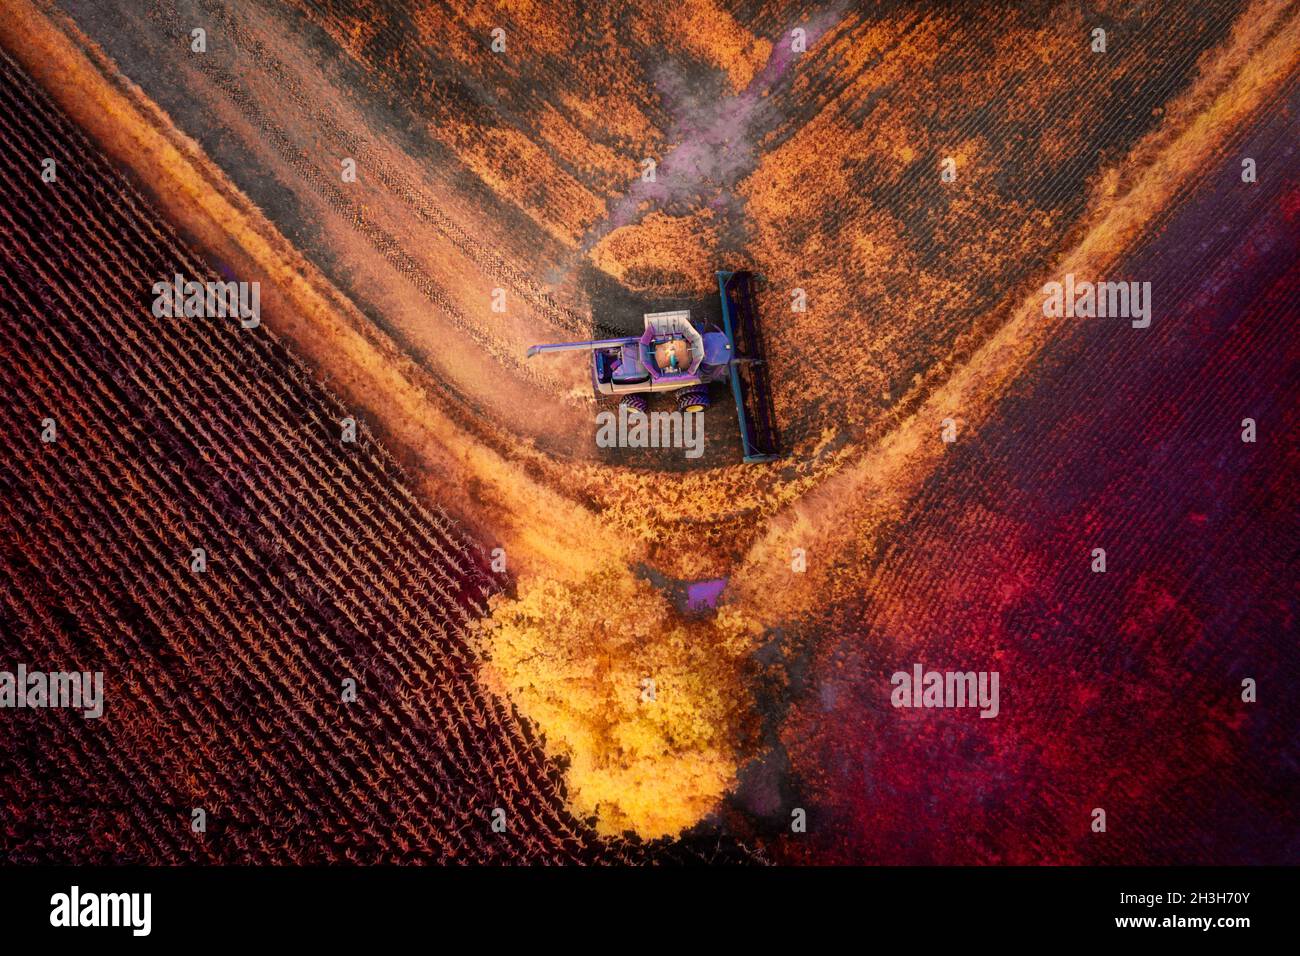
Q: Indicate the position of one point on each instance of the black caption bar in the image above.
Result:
(144, 906)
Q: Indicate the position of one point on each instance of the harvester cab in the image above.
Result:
(675, 355)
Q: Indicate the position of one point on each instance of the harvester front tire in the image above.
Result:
(633, 403)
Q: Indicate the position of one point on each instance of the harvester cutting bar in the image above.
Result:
(748, 372)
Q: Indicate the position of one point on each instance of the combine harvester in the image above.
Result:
(673, 355)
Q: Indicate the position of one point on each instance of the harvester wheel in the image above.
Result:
(633, 403)
(694, 399)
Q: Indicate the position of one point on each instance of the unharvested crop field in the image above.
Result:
(516, 174)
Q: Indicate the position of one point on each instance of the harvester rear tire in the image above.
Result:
(633, 403)
(695, 399)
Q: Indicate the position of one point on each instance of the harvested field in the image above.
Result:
(915, 172)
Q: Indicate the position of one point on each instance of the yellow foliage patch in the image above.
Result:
(578, 661)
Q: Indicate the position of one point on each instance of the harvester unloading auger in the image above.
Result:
(674, 355)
